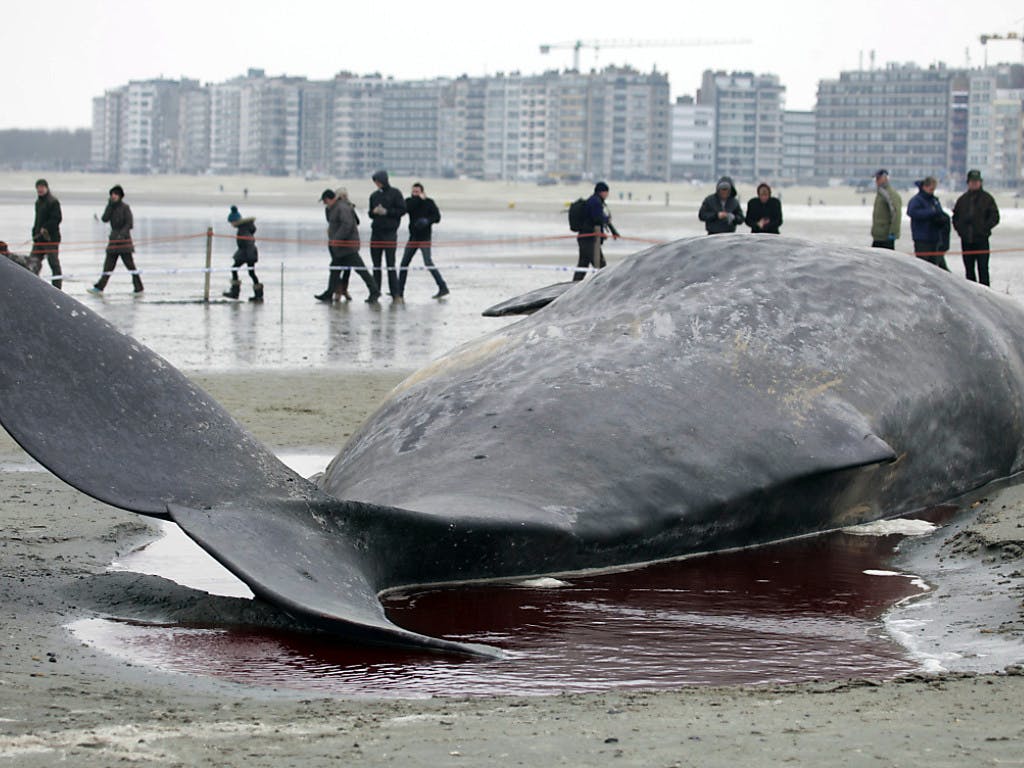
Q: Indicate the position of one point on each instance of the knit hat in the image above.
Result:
(600, 187)
(327, 194)
(42, 183)
(974, 175)
(234, 215)
(117, 189)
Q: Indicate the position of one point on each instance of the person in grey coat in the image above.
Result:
(343, 245)
(721, 212)
(119, 244)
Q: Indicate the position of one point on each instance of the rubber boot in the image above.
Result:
(233, 291)
(257, 292)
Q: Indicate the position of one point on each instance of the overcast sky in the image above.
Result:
(59, 54)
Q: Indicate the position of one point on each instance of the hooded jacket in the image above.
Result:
(975, 215)
(391, 199)
(713, 204)
(928, 222)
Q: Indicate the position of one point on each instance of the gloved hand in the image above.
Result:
(892, 236)
(379, 210)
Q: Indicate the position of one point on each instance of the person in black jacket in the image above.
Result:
(721, 212)
(423, 215)
(764, 212)
(975, 215)
(929, 224)
(246, 254)
(46, 231)
(591, 236)
(387, 206)
(119, 243)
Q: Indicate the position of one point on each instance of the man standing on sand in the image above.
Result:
(343, 244)
(387, 206)
(597, 221)
(46, 230)
(975, 215)
(423, 215)
(885, 219)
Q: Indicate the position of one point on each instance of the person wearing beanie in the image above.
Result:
(387, 206)
(721, 211)
(975, 215)
(343, 245)
(46, 231)
(119, 244)
(246, 254)
(591, 236)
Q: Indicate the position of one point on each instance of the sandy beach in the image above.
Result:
(63, 701)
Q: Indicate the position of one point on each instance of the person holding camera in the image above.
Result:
(423, 215)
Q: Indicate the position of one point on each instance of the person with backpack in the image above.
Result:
(590, 219)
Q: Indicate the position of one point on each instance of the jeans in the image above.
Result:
(428, 262)
(590, 255)
(339, 277)
(385, 244)
(110, 261)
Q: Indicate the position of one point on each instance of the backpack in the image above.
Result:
(578, 215)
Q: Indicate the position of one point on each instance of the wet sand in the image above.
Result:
(63, 701)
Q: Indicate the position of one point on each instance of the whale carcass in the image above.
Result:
(710, 393)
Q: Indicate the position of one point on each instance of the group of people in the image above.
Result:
(721, 211)
(386, 209)
(975, 215)
(46, 236)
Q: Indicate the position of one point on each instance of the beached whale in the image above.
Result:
(710, 393)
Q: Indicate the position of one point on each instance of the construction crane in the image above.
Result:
(1008, 36)
(597, 45)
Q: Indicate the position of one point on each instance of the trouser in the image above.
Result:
(341, 259)
(428, 262)
(938, 259)
(249, 260)
(890, 244)
(111, 261)
(383, 245)
(979, 259)
(590, 255)
(41, 248)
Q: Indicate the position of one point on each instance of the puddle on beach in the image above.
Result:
(795, 611)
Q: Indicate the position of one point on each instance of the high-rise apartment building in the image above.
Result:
(897, 117)
(995, 140)
(798, 147)
(748, 123)
(693, 140)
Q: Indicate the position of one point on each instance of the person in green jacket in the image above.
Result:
(885, 220)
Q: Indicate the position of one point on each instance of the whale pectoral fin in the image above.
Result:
(303, 558)
(528, 303)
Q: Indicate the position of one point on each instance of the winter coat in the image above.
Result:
(598, 219)
(423, 215)
(975, 215)
(121, 222)
(245, 231)
(391, 199)
(713, 204)
(46, 228)
(343, 227)
(771, 210)
(928, 222)
(885, 219)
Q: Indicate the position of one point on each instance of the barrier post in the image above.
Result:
(209, 262)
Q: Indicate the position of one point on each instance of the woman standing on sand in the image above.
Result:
(764, 212)
(120, 242)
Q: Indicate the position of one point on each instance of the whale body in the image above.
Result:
(711, 393)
